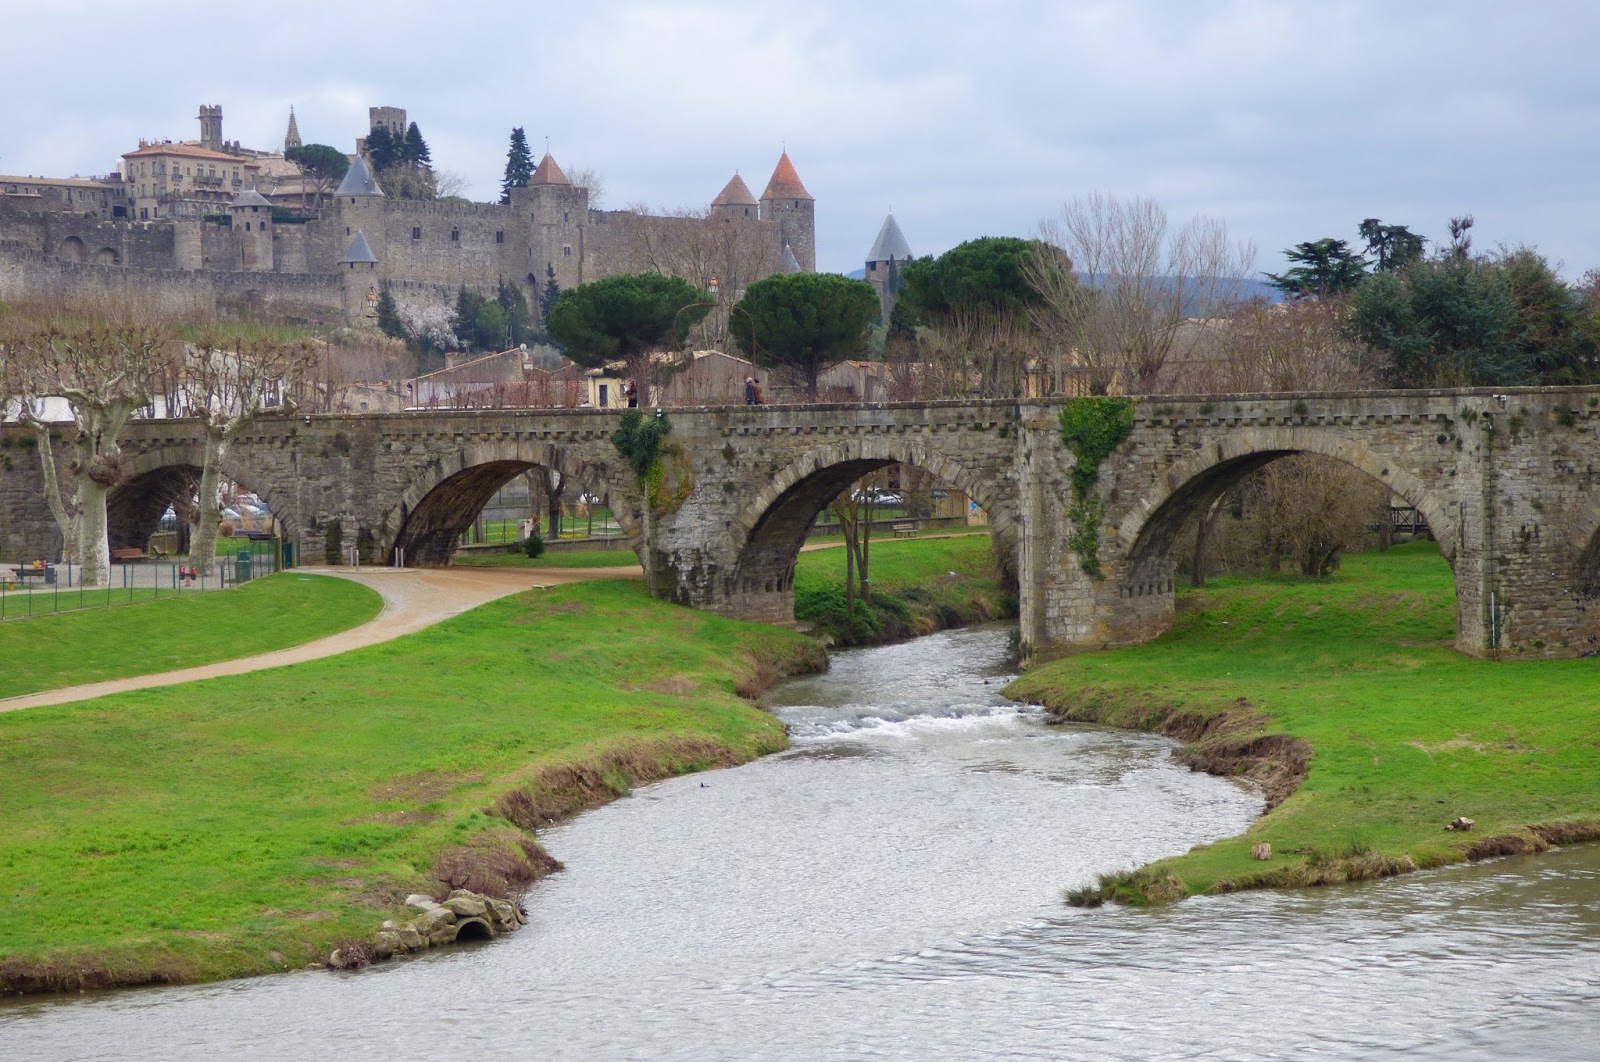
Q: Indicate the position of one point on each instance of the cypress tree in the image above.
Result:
(552, 291)
(382, 150)
(519, 165)
(389, 314)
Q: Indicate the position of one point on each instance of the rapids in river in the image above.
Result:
(890, 888)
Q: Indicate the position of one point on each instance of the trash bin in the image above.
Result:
(288, 556)
(241, 567)
(49, 575)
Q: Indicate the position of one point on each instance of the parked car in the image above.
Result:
(876, 496)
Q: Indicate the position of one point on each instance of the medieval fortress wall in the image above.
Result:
(423, 250)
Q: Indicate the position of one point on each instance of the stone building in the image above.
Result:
(177, 249)
(889, 253)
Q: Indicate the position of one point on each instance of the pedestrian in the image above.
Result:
(761, 399)
(633, 395)
(749, 390)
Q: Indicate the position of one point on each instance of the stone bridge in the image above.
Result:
(1508, 483)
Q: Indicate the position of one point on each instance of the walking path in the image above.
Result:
(413, 598)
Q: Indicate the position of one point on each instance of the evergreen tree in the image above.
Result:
(515, 304)
(468, 303)
(415, 149)
(552, 292)
(389, 314)
(383, 150)
(519, 165)
(1394, 246)
(1322, 268)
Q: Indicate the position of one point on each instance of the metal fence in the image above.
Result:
(31, 589)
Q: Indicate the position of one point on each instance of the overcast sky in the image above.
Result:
(1288, 121)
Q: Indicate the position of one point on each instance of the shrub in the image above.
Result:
(533, 545)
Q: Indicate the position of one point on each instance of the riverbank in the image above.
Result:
(252, 824)
(1367, 732)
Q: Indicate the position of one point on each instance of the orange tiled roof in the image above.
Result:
(188, 151)
(785, 183)
(736, 193)
(548, 172)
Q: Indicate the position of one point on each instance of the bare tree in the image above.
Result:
(105, 368)
(449, 184)
(1140, 280)
(589, 179)
(1295, 346)
(227, 385)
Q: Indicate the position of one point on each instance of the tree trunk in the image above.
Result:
(1385, 529)
(1202, 533)
(1274, 555)
(94, 550)
(66, 521)
(849, 576)
(203, 546)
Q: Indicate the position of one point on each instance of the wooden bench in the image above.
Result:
(129, 555)
(27, 571)
(905, 528)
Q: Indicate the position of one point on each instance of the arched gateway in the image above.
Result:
(1509, 482)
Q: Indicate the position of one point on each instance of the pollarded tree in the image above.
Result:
(804, 322)
(105, 368)
(226, 383)
(626, 318)
(325, 166)
(519, 165)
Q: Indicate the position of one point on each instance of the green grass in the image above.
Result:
(567, 558)
(47, 652)
(1406, 733)
(248, 824)
(919, 586)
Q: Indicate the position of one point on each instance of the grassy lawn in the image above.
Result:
(249, 824)
(46, 652)
(567, 558)
(919, 586)
(1405, 733)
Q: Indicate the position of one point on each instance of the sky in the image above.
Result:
(1287, 121)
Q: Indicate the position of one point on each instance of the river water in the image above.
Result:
(890, 889)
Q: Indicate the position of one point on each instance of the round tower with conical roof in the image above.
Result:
(735, 201)
(888, 256)
(787, 202)
(250, 217)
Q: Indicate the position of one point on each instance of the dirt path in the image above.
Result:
(412, 599)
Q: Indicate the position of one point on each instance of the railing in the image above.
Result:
(57, 588)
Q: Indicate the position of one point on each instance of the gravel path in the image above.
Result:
(413, 598)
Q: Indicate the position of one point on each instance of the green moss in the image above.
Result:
(1092, 429)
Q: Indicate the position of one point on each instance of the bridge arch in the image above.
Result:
(1147, 532)
(155, 477)
(771, 528)
(439, 506)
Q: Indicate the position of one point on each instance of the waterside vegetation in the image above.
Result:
(1369, 734)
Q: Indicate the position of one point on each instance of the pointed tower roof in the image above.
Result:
(548, 172)
(785, 183)
(360, 251)
(891, 243)
(291, 139)
(358, 180)
(251, 197)
(787, 262)
(735, 193)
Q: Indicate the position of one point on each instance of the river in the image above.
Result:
(890, 888)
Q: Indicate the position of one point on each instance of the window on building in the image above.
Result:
(565, 217)
(455, 235)
(604, 399)
(566, 251)
(247, 226)
(500, 237)
(416, 232)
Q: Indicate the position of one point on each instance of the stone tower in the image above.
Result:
(557, 211)
(787, 202)
(735, 201)
(291, 139)
(211, 127)
(390, 118)
(358, 271)
(251, 215)
(361, 204)
(889, 254)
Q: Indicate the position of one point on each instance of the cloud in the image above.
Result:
(970, 118)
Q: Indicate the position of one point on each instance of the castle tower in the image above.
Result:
(390, 118)
(291, 139)
(889, 254)
(735, 201)
(558, 210)
(787, 202)
(358, 270)
(361, 204)
(211, 127)
(252, 227)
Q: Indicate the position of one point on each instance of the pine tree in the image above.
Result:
(415, 149)
(510, 297)
(552, 291)
(468, 303)
(389, 314)
(519, 165)
(382, 149)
